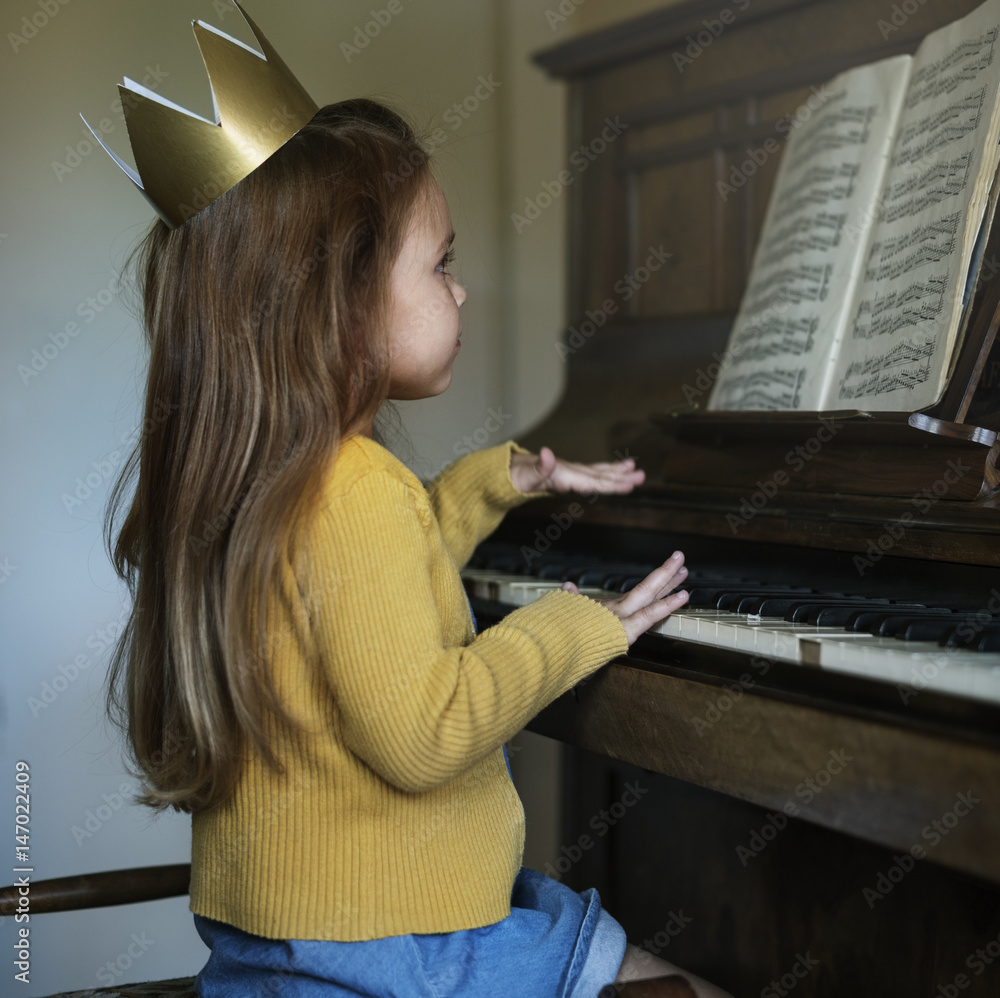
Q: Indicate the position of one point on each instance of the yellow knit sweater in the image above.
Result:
(393, 812)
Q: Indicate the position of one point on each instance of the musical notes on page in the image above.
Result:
(777, 388)
(806, 267)
(907, 365)
(940, 129)
(888, 312)
(918, 191)
(776, 338)
(971, 57)
(909, 303)
(907, 252)
(840, 129)
(790, 286)
(819, 185)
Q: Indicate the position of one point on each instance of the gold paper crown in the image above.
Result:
(183, 161)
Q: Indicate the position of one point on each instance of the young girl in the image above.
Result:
(300, 671)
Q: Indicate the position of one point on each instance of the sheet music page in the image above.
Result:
(808, 260)
(905, 324)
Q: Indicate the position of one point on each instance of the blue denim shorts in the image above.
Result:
(554, 944)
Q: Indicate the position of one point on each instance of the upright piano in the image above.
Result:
(793, 785)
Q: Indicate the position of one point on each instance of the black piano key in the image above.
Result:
(740, 594)
(929, 629)
(778, 606)
(711, 596)
(833, 614)
(704, 598)
(865, 621)
(969, 632)
(594, 573)
(894, 625)
(509, 564)
(989, 640)
(799, 613)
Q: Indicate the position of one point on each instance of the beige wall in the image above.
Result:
(71, 400)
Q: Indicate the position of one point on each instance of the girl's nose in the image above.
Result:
(458, 293)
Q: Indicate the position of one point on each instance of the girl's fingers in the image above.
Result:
(656, 585)
(645, 617)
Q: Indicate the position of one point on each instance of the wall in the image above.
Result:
(71, 369)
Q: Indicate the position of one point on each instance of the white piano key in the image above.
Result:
(918, 665)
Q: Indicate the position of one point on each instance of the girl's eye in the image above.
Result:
(446, 261)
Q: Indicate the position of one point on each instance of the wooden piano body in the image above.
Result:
(830, 902)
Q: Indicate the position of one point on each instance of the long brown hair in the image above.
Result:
(266, 320)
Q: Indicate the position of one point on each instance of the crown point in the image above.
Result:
(185, 161)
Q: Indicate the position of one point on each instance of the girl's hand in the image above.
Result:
(648, 603)
(545, 472)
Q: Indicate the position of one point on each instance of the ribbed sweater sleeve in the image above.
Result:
(471, 496)
(418, 705)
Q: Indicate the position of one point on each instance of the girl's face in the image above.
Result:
(424, 325)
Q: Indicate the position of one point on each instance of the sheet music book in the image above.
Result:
(860, 283)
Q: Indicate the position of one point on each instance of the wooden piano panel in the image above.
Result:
(667, 216)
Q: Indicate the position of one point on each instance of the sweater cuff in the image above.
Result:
(575, 621)
(484, 476)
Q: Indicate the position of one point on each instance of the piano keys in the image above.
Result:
(909, 644)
